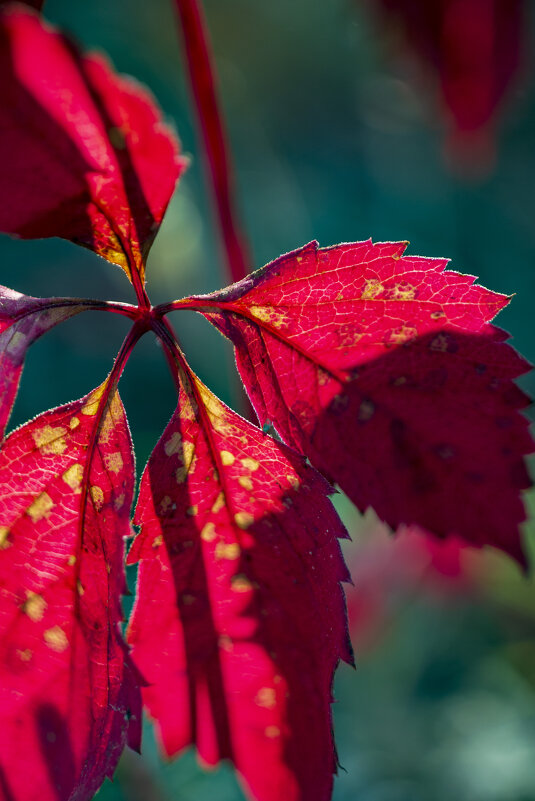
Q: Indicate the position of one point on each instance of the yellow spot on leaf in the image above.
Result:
(41, 507)
(227, 551)
(188, 462)
(71, 560)
(250, 464)
(439, 343)
(119, 502)
(79, 587)
(240, 583)
(97, 496)
(372, 288)
(73, 477)
(34, 606)
(90, 407)
(56, 639)
(4, 538)
(208, 533)
(293, 481)
(114, 462)
(174, 444)
(16, 342)
(245, 482)
(243, 519)
(272, 732)
(227, 458)
(269, 314)
(219, 503)
(404, 291)
(225, 643)
(398, 336)
(266, 697)
(366, 411)
(436, 315)
(25, 655)
(157, 541)
(165, 503)
(191, 511)
(50, 440)
(74, 423)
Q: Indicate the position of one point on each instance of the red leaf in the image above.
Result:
(89, 158)
(22, 320)
(68, 693)
(240, 618)
(474, 47)
(384, 371)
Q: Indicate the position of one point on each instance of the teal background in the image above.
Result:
(332, 140)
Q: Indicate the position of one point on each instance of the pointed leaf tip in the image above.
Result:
(90, 158)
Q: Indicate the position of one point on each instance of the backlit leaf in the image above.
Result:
(384, 371)
(68, 696)
(89, 158)
(240, 619)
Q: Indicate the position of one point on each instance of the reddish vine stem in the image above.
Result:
(210, 122)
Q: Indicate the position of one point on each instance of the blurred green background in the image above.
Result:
(332, 140)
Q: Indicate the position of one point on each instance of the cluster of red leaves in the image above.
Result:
(473, 48)
(381, 369)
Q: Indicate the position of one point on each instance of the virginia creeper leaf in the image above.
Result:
(68, 692)
(22, 320)
(475, 48)
(89, 158)
(384, 371)
(240, 619)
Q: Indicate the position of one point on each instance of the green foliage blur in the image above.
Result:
(332, 140)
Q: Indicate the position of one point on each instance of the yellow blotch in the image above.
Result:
(79, 587)
(270, 315)
(165, 503)
(157, 541)
(71, 560)
(17, 340)
(56, 639)
(174, 444)
(74, 423)
(436, 315)
(372, 288)
(219, 503)
(50, 440)
(73, 477)
(250, 464)
(404, 291)
(114, 462)
(97, 496)
(266, 697)
(243, 519)
(227, 458)
(272, 732)
(366, 411)
(439, 343)
(25, 655)
(41, 507)
(34, 606)
(227, 551)
(191, 511)
(245, 482)
(293, 481)
(91, 405)
(119, 502)
(4, 538)
(188, 462)
(225, 643)
(240, 583)
(402, 334)
(208, 533)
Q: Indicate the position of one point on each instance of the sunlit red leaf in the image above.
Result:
(68, 696)
(89, 158)
(384, 371)
(240, 620)
(22, 320)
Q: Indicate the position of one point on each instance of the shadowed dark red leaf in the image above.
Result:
(68, 693)
(89, 158)
(22, 320)
(239, 620)
(384, 371)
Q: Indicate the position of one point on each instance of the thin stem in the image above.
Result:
(210, 122)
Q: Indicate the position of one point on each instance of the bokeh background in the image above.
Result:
(338, 134)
